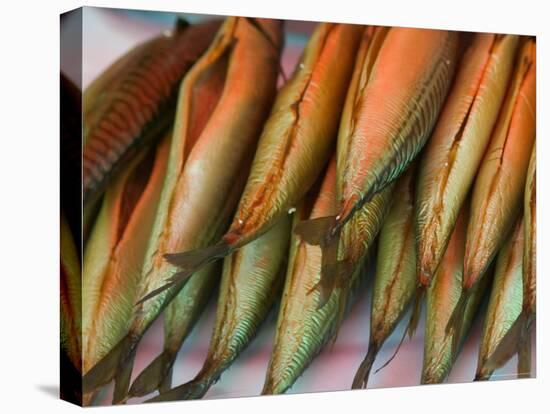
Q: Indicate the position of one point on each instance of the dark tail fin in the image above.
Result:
(166, 383)
(362, 375)
(317, 231)
(333, 275)
(385, 364)
(507, 347)
(192, 390)
(416, 311)
(105, 370)
(193, 260)
(524, 355)
(123, 376)
(153, 376)
(189, 262)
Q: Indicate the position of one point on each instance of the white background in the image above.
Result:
(29, 235)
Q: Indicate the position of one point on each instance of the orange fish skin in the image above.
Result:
(499, 187)
(455, 149)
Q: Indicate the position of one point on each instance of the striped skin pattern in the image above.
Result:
(441, 347)
(455, 150)
(302, 328)
(296, 141)
(505, 303)
(395, 278)
(251, 283)
(133, 102)
(207, 169)
(396, 111)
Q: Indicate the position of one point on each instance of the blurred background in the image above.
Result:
(109, 33)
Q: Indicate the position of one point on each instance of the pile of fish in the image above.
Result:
(410, 149)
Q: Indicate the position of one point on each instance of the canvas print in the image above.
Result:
(255, 206)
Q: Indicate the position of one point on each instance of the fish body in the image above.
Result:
(395, 278)
(251, 283)
(133, 101)
(180, 316)
(441, 347)
(392, 113)
(499, 187)
(218, 121)
(115, 252)
(295, 144)
(303, 328)
(455, 149)
(505, 303)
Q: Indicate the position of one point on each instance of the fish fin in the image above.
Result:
(524, 355)
(416, 311)
(152, 377)
(362, 375)
(333, 275)
(396, 349)
(105, 370)
(166, 383)
(317, 231)
(457, 316)
(192, 390)
(169, 283)
(507, 347)
(123, 376)
(193, 260)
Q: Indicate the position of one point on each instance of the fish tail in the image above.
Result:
(106, 369)
(524, 348)
(166, 383)
(318, 231)
(398, 345)
(123, 376)
(193, 260)
(192, 390)
(416, 311)
(189, 262)
(362, 375)
(508, 346)
(153, 376)
(333, 275)
(457, 316)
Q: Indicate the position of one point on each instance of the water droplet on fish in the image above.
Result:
(291, 210)
(448, 61)
(301, 65)
(446, 164)
(167, 33)
(338, 217)
(240, 221)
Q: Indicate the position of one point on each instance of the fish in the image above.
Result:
(302, 327)
(132, 102)
(441, 347)
(455, 149)
(252, 280)
(505, 303)
(180, 317)
(497, 194)
(395, 278)
(394, 112)
(218, 121)
(529, 268)
(295, 144)
(116, 249)
(70, 316)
